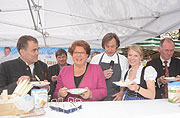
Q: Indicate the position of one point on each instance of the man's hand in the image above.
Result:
(45, 87)
(162, 80)
(23, 78)
(108, 73)
(118, 96)
(54, 78)
(178, 76)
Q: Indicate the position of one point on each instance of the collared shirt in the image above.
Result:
(31, 67)
(168, 64)
(168, 61)
(60, 68)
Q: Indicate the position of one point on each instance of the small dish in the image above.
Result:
(122, 83)
(171, 79)
(76, 91)
(39, 84)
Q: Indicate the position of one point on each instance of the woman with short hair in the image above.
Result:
(81, 75)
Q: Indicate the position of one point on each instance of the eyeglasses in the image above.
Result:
(166, 50)
(81, 53)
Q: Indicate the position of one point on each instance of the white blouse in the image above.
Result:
(149, 74)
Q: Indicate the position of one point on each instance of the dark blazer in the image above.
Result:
(53, 70)
(11, 70)
(174, 70)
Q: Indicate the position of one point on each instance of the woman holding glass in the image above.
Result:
(81, 75)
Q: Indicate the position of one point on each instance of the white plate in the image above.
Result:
(122, 83)
(39, 84)
(171, 78)
(76, 91)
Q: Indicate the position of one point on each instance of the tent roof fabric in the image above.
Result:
(150, 48)
(58, 23)
(153, 43)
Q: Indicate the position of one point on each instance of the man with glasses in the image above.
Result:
(166, 66)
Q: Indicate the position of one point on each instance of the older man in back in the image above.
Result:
(166, 66)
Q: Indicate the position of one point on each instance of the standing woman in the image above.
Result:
(143, 78)
(81, 75)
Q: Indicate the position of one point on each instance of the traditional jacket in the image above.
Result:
(174, 70)
(11, 70)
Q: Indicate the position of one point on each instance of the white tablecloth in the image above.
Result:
(159, 108)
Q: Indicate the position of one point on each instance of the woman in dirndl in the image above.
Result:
(142, 77)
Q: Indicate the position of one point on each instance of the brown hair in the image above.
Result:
(108, 37)
(23, 42)
(80, 43)
(137, 49)
(61, 52)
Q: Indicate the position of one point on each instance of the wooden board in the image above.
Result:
(10, 109)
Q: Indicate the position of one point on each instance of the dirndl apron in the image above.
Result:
(132, 95)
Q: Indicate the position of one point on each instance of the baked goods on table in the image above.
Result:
(12, 104)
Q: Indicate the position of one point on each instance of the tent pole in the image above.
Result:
(35, 22)
(32, 15)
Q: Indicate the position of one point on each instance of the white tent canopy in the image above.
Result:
(57, 23)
